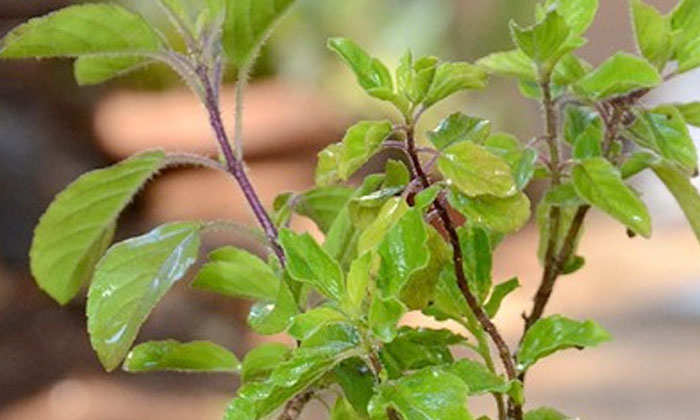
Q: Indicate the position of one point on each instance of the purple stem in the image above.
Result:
(237, 170)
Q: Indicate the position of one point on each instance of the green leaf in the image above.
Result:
(683, 190)
(384, 315)
(198, 17)
(664, 131)
(391, 212)
(414, 349)
(476, 171)
(234, 272)
(478, 378)
(274, 316)
(361, 270)
(449, 302)
(459, 127)
(638, 162)
(130, 280)
(262, 360)
(247, 26)
(343, 410)
(396, 174)
(371, 73)
(599, 183)
(403, 251)
(590, 142)
(426, 198)
(323, 204)
(478, 260)
(579, 14)
(78, 226)
(357, 381)
(654, 33)
(685, 21)
(196, 356)
(500, 292)
(96, 69)
(308, 263)
(429, 394)
(415, 78)
(576, 121)
(361, 142)
(622, 73)
(307, 324)
(327, 166)
(545, 42)
(556, 333)
(691, 113)
(420, 289)
(514, 63)
(504, 215)
(565, 198)
(316, 357)
(545, 413)
(521, 160)
(451, 78)
(82, 30)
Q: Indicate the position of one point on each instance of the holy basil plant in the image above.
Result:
(418, 236)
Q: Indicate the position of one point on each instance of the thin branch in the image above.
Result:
(458, 259)
(192, 159)
(236, 168)
(294, 407)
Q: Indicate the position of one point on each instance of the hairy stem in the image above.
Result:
(458, 259)
(292, 410)
(236, 167)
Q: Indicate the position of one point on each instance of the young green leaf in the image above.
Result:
(683, 190)
(429, 394)
(545, 42)
(419, 291)
(451, 78)
(82, 30)
(522, 160)
(307, 324)
(556, 333)
(504, 215)
(274, 316)
(248, 24)
(578, 14)
(78, 226)
(476, 171)
(514, 63)
(130, 280)
(361, 270)
(685, 21)
(415, 78)
(309, 263)
(391, 212)
(478, 378)
(357, 382)
(691, 113)
(622, 73)
(459, 127)
(500, 292)
(237, 273)
(638, 162)
(590, 142)
(599, 183)
(316, 357)
(545, 413)
(565, 198)
(664, 131)
(414, 349)
(323, 204)
(170, 355)
(476, 247)
(96, 69)
(384, 315)
(403, 251)
(576, 120)
(449, 303)
(327, 166)
(343, 410)
(362, 141)
(260, 361)
(654, 33)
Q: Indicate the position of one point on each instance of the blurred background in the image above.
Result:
(647, 293)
